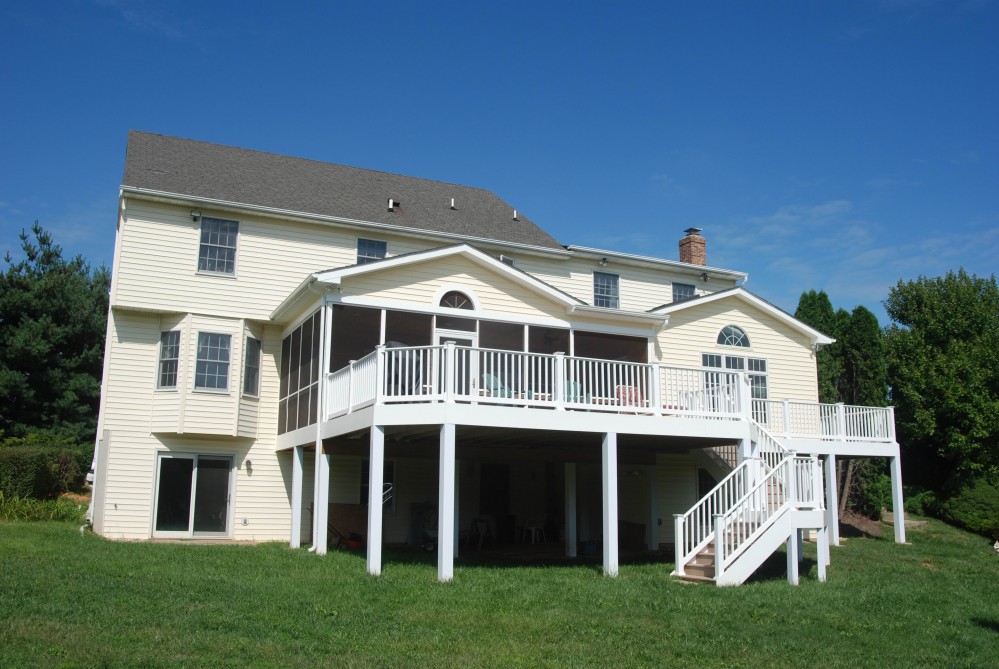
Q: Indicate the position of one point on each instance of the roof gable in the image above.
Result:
(165, 165)
(742, 295)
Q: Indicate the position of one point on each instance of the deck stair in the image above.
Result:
(758, 507)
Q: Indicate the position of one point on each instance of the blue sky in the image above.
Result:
(836, 145)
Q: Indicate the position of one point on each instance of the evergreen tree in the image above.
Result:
(815, 309)
(865, 378)
(53, 313)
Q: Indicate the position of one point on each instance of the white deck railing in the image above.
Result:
(842, 422)
(452, 373)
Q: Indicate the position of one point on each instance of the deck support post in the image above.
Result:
(445, 505)
(457, 506)
(297, 470)
(652, 521)
(376, 492)
(832, 500)
(793, 551)
(897, 504)
(608, 453)
(570, 510)
(822, 552)
(321, 508)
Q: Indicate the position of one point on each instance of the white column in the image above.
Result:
(822, 552)
(570, 509)
(652, 521)
(608, 455)
(897, 504)
(322, 498)
(792, 557)
(457, 506)
(297, 470)
(801, 544)
(832, 501)
(445, 506)
(376, 478)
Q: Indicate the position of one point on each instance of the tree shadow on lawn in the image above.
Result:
(516, 555)
(987, 623)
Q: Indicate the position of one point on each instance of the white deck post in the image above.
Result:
(652, 522)
(449, 372)
(655, 388)
(445, 504)
(822, 552)
(321, 509)
(297, 470)
(897, 504)
(570, 509)
(559, 385)
(376, 477)
(457, 506)
(792, 556)
(608, 453)
(832, 500)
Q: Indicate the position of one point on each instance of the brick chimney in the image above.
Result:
(693, 248)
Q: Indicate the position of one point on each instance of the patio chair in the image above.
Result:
(492, 386)
(536, 528)
(629, 396)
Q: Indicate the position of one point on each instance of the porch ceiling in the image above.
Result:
(491, 443)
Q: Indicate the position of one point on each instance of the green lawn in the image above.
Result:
(74, 600)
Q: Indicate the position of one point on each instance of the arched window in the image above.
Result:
(456, 300)
(732, 335)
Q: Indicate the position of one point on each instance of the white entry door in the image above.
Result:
(192, 495)
(466, 361)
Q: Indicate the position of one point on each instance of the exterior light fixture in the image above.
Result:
(195, 214)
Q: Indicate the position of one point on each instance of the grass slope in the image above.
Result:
(74, 600)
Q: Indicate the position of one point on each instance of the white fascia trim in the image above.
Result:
(634, 259)
(481, 314)
(656, 320)
(742, 294)
(341, 221)
(336, 276)
(289, 302)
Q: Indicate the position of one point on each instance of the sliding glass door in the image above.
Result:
(192, 495)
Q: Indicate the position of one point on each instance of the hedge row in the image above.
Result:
(42, 468)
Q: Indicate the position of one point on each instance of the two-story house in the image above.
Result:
(299, 350)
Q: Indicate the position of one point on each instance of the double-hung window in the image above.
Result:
(682, 291)
(370, 250)
(251, 367)
(212, 367)
(217, 253)
(605, 290)
(169, 359)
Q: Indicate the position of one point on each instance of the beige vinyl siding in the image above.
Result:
(676, 478)
(790, 362)
(421, 283)
(639, 288)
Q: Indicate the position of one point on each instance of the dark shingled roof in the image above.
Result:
(199, 169)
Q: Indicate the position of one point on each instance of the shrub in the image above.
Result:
(871, 488)
(974, 506)
(42, 467)
(26, 508)
(921, 502)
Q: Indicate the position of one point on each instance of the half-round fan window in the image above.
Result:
(733, 336)
(456, 300)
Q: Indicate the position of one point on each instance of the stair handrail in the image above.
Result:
(694, 529)
(771, 450)
(787, 485)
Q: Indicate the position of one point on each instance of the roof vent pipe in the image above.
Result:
(452, 203)
(391, 204)
(515, 214)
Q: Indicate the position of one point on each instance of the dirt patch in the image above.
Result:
(855, 525)
(75, 497)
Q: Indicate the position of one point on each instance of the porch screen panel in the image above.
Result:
(356, 331)
(409, 328)
(611, 347)
(299, 376)
(547, 340)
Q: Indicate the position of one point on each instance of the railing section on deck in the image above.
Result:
(791, 419)
(458, 373)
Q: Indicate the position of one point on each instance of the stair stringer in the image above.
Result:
(772, 538)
